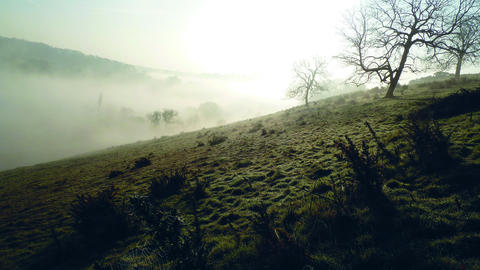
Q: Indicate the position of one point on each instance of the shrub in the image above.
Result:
(430, 146)
(366, 175)
(217, 140)
(168, 183)
(169, 242)
(142, 162)
(99, 217)
(463, 101)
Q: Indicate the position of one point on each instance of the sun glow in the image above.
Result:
(262, 37)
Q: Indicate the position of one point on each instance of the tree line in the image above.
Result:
(208, 111)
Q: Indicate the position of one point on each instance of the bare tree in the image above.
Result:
(463, 46)
(168, 116)
(155, 118)
(309, 78)
(385, 37)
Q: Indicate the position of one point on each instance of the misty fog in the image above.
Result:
(44, 118)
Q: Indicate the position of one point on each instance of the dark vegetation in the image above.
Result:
(142, 162)
(99, 217)
(168, 183)
(370, 184)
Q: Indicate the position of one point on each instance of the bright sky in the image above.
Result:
(224, 36)
(201, 36)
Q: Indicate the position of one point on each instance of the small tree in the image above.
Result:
(309, 78)
(155, 117)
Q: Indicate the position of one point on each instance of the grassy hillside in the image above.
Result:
(274, 192)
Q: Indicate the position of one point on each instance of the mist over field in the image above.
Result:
(56, 103)
(44, 118)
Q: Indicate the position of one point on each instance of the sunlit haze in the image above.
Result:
(211, 36)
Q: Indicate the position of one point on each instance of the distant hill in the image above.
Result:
(38, 58)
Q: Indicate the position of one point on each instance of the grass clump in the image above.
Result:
(217, 139)
(243, 164)
(168, 183)
(199, 187)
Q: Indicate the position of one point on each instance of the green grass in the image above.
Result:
(432, 222)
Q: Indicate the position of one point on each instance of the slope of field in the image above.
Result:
(271, 162)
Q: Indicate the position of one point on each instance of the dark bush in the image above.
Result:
(463, 101)
(99, 217)
(142, 162)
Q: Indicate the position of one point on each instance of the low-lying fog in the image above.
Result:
(44, 118)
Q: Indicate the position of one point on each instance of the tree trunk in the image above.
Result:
(391, 88)
(459, 66)
(394, 80)
(307, 92)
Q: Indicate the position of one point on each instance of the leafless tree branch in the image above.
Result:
(385, 37)
(309, 78)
